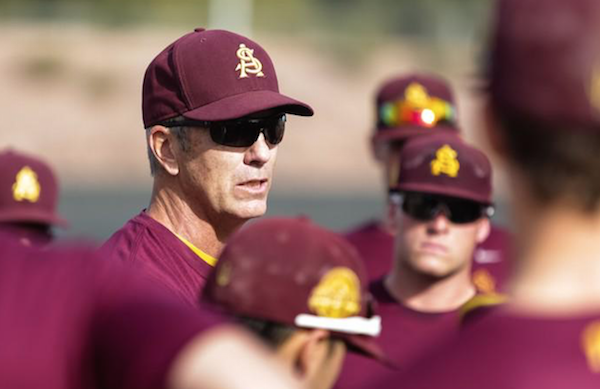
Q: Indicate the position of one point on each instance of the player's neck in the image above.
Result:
(426, 294)
(172, 211)
(558, 261)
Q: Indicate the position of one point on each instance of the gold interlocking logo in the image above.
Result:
(445, 162)
(248, 63)
(416, 95)
(590, 341)
(26, 186)
(337, 294)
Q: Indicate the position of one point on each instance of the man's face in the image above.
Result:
(436, 246)
(225, 181)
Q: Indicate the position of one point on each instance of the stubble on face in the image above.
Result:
(223, 182)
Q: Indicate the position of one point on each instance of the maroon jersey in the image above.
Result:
(407, 335)
(513, 352)
(490, 262)
(69, 320)
(163, 256)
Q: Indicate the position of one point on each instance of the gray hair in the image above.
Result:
(181, 133)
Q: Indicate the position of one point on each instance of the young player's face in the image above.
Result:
(225, 181)
(436, 246)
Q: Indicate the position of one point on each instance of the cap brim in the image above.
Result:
(367, 346)
(247, 103)
(443, 190)
(405, 132)
(30, 216)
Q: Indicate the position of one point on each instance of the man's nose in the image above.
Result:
(259, 153)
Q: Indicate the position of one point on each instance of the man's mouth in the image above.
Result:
(254, 186)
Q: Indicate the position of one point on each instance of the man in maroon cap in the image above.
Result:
(444, 202)
(543, 117)
(71, 320)
(214, 118)
(28, 199)
(302, 289)
(409, 106)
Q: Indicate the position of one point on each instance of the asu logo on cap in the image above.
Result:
(337, 295)
(26, 186)
(248, 63)
(445, 162)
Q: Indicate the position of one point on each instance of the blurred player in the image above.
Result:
(408, 106)
(70, 320)
(544, 123)
(442, 213)
(302, 289)
(214, 118)
(28, 199)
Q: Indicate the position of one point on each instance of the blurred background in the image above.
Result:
(71, 74)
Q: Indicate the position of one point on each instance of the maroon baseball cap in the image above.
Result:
(28, 190)
(294, 272)
(544, 61)
(444, 164)
(415, 104)
(213, 75)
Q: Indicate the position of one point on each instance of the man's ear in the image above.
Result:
(313, 352)
(484, 227)
(393, 213)
(162, 144)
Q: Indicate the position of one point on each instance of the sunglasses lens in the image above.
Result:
(463, 211)
(274, 131)
(420, 207)
(426, 207)
(243, 133)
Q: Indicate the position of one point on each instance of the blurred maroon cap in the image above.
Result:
(212, 75)
(444, 164)
(294, 272)
(545, 61)
(415, 104)
(28, 190)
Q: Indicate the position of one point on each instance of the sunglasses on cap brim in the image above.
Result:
(242, 132)
(426, 207)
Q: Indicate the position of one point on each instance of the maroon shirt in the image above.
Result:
(146, 243)
(69, 320)
(512, 352)
(490, 263)
(407, 335)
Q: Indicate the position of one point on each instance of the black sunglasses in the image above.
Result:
(240, 132)
(459, 211)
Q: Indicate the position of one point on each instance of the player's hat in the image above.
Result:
(414, 104)
(544, 63)
(294, 272)
(213, 75)
(28, 190)
(444, 164)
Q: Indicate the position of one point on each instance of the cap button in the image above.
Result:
(199, 29)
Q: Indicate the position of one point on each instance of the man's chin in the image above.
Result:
(432, 267)
(252, 209)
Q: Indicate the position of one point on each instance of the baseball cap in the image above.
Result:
(28, 190)
(444, 164)
(414, 104)
(544, 62)
(213, 75)
(294, 272)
